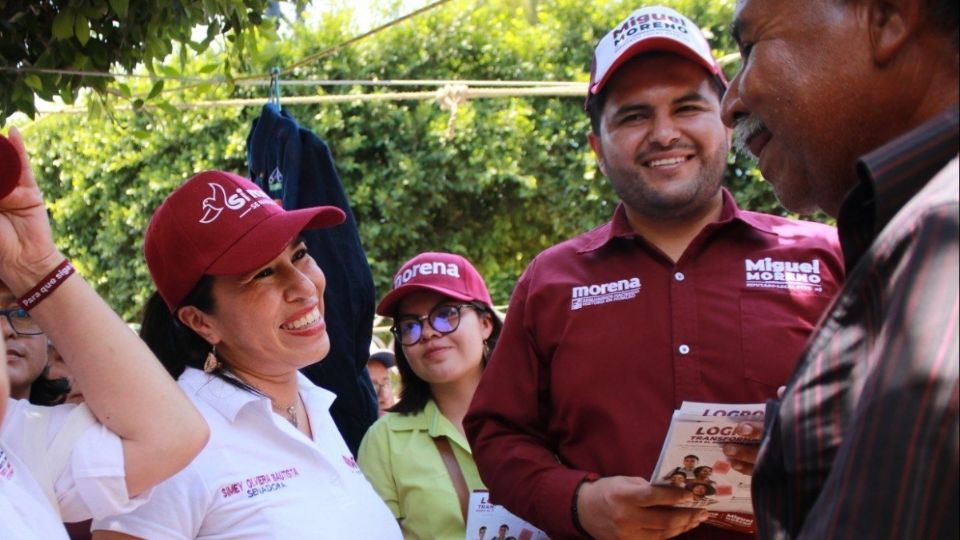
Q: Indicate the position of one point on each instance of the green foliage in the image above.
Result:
(512, 177)
(98, 35)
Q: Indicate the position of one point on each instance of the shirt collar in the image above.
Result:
(891, 175)
(431, 420)
(619, 225)
(228, 400)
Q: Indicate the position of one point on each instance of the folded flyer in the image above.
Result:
(692, 458)
(486, 521)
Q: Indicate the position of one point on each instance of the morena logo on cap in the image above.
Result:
(214, 205)
(426, 269)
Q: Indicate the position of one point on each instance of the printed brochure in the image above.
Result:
(692, 458)
(491, 518)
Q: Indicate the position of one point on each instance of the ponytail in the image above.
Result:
(176, 345)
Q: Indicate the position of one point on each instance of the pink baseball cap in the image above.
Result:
(218, 223)
(650, 29)
(448, 274)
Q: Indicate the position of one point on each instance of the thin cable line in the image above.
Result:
(298, 82)
(327, 52)
(573, 90)
(252, 79)
(351, 41)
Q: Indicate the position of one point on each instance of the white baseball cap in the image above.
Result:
(646, 30)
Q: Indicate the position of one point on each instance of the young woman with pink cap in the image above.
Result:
(238, 311)
(60, 463)
(416, 456)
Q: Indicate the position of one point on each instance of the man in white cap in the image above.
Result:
(682, 296)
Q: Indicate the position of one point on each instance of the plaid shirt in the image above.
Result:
(865, 441)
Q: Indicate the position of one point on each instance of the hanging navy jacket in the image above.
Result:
(293, 165)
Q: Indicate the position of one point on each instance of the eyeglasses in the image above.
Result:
(379, 388)
(21, 321)
(444, 318)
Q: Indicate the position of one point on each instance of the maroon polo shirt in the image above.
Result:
(605, 336)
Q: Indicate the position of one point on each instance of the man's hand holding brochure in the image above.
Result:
(709, 451)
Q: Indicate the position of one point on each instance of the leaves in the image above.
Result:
(119, 7)
(81, 27)
(100, 35)
(63, 24)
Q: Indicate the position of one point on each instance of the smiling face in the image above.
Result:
(801, 98)
(269, 321)
(661, 141)
(441, 359)
(26, 356)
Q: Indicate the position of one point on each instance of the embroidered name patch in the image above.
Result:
(768, 273)
(260, 484)
(604, 293)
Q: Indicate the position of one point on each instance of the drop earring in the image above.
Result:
(212, 363)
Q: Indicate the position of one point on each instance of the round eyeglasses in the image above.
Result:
(444, 318)
(21, 322)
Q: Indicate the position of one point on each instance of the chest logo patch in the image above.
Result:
(352, 464)
(259, 484)
(768, 273)
(604, 293)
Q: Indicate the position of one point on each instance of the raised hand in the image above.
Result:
(27, 252)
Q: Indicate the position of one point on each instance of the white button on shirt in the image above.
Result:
(679, 276)
(684, 349)
(259, 477)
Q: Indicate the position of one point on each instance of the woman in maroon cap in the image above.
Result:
(239, 310)
(417, 456)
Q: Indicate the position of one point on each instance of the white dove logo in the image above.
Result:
(213, 205)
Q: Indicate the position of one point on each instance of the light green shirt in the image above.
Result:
(400, 460)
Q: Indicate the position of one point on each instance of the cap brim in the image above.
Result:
(270, 237)
(654, 44)
(387, 306)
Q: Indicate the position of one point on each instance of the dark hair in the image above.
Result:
(47, 391)
(415, 392)
(691, 456)
(697, 470)
(944, 16)
(176, 345)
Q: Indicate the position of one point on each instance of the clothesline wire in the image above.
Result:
(327, 52)
(331, 50)
(298, 82)
(571, 90)
(253, 79)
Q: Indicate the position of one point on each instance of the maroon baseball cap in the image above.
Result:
(10, 167)
(218, 223)
(448, 274)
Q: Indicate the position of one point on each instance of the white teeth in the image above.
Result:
(666, 162)
(308, 319)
